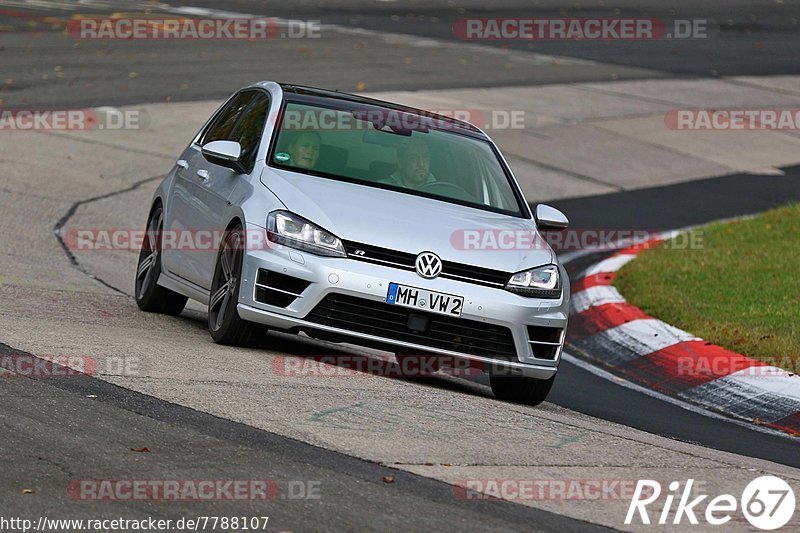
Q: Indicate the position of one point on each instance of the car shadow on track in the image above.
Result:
(303, 356)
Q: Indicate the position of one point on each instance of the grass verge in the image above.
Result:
(739, 287)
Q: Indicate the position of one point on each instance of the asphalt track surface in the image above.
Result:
(195, 445)
(754, 37)
(658, 209)
(43, 68)
(760, 41)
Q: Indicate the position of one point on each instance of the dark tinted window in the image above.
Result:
(249, 129)
(223, 125)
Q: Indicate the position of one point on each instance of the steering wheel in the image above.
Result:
(447, 189)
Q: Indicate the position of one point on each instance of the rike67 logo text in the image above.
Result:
(767, 503)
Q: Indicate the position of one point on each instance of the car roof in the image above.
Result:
(459, 125)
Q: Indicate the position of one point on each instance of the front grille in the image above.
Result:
(280, 290)
(392, 322)
(405, 261)
(544, 341)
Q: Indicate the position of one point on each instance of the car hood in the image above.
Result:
(411, 224)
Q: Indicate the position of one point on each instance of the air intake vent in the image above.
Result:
(544, 341)
(280, 290)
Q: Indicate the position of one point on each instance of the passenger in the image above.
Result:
(413, 166)
(304, 150)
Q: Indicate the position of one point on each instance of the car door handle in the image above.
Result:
(182, 163)
(203, 174)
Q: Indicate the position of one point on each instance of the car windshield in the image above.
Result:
(386, 148)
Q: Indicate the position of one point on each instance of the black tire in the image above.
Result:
(150, 296)
(518, 389)
(224, 322)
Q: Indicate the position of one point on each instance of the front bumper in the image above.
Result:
(370, 281)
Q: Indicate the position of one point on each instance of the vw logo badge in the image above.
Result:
(428, 265)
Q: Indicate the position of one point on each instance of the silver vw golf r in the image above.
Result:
(356, 220)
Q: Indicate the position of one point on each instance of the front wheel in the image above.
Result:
(150, 296)
(519, 389)
(224, 322)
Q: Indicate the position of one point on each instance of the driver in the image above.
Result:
(304, 150)
(413, 166)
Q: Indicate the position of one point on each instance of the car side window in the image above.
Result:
(249, 129)
(223, 125)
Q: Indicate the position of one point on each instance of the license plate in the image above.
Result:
(425, 300)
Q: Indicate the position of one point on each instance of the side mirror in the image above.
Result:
(225, 154)
(550, 218)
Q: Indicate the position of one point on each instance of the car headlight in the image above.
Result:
(296, 232)
(540, 282)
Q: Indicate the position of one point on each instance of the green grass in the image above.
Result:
(739, 288)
